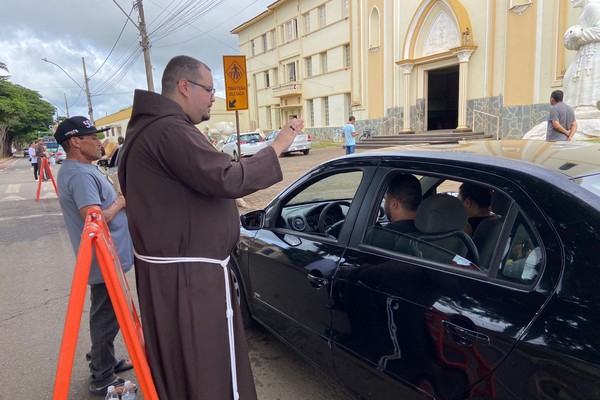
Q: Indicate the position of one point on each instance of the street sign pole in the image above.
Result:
(236, 89)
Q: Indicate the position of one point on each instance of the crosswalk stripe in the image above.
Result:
(13, 198)
(13, 188)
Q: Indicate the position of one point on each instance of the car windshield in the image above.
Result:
(248, 138)
(335, 187)
(591, 183)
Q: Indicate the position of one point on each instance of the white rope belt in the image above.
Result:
(229, 309)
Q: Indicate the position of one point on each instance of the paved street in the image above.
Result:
(35, 277)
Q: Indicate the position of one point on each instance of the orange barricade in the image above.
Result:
(97, 236)
(45, 169)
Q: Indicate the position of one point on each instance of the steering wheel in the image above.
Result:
(326, 209)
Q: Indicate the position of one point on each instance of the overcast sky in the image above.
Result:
(64, 31)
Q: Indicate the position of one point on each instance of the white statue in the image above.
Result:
(582, 80)
(581, 83)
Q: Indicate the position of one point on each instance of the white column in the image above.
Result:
(406, 71)
(463, 77)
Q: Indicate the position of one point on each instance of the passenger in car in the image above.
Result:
(477, 200)
(402, 198)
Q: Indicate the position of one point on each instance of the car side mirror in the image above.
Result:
(253, 220)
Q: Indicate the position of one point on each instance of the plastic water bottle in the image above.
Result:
(111, 394)
(128, 391)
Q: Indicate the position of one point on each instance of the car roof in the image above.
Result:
(573, 159)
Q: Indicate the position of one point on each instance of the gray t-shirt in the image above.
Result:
(81, 185)
(565, 116)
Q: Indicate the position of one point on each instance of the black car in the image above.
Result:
(512, 312)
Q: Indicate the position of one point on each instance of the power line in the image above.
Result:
(115, 45)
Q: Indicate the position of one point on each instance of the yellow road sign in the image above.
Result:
(236, 82)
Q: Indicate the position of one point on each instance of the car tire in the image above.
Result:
(285, 154)
(240, 294)
(306, 151)
(235, 156)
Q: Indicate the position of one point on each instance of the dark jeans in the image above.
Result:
(350, 148)
(35, 169)
(103, 330)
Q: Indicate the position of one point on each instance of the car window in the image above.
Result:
(247, 138)
(437, 234)
(272, 135)
(333, 187)
(523, 257)
(322, 205)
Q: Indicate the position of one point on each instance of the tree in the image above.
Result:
(22, 112)
(3, 67)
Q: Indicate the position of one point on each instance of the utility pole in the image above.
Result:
(145, 46)
(145, 43)
(87, 92)
(66, 105)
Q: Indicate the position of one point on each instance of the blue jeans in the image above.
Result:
(350, 148)
(103, 330)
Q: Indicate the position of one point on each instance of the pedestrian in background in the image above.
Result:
(184, 224)
(33, 159)
(561, 121)
(350, 135)
(40, 154)
(80, 186)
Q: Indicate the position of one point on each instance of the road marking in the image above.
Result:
(30, 216)
(14, 188)
(13, 198)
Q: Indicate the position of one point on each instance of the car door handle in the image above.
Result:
(316, 281)
(464, 336)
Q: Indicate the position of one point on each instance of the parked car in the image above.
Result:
(60, 155)
(302, 142)
(517, 318)
(250, 144)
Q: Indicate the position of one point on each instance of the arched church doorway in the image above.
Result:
(442, 98)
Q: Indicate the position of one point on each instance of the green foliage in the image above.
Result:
(101, 135)
(22, 111)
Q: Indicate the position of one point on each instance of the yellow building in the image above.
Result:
(406, 65)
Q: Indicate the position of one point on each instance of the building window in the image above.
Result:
(310, 108)
(291, 30)
(346, 55)
(308, 63)
(374, 29)
(326, 110)
(345, 8)
(322, 17)
(265, 43)
(267, 79)
(291, 71)
(253, 46)
(323, 62)
(306, 23)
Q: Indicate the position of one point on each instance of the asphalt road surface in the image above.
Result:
(36, 265)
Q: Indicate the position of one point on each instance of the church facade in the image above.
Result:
(406, 65)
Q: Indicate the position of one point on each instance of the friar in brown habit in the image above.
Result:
(184, 223)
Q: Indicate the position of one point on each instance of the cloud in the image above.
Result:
(64, 32)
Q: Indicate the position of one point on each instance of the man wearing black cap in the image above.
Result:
(81, 185)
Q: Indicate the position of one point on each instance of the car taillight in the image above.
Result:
(308, 138)
(261, 140)
(243, 142)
